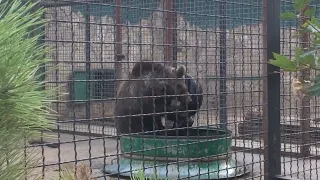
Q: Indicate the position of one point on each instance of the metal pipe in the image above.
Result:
(305, 102)
(271, 89)
(88, 59)
(169, 6)
(223, 66)
(118, 53)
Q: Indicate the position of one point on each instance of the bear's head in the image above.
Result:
(177, 86)
(163, 80)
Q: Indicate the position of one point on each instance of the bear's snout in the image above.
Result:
(189, 100)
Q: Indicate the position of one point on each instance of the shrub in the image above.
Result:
(24, 103)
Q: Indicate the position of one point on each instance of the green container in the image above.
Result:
(203, 154)
(202, 142)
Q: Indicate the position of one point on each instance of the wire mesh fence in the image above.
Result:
(222, 45)
(299, 125)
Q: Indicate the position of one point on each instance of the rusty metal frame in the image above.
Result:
(169, 34)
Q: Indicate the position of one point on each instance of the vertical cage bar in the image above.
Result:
(271, 33)
(223, 66)
(42, 78)
(34, 31)
(169, 6)
(119, 56)
(42, 69)
(88, 60)
(56, 79)
(305, 102)
(175, 35)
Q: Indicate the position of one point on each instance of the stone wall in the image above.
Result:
(199, 51)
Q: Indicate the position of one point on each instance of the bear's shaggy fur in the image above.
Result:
(143, 94)
(185, 119)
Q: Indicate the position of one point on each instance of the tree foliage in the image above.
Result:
(304, 58)
(23, 102)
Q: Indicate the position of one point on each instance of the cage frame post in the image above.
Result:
(88, 62)
(118, 47)
(305, 101)
(223, 65)
(169, 37)
(174, 34)
(272, 83)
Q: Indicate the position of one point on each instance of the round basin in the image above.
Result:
(198, 153)
(199, 142)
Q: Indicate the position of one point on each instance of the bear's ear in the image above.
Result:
(181, 71)
(171, 69)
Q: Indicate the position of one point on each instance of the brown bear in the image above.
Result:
(142, 101)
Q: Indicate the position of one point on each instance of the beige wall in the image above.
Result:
(199, 51)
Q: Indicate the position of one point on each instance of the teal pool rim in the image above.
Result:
(226, 134)
(236, 78)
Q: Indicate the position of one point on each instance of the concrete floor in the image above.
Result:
(98, 149)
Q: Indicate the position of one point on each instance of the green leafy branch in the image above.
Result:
(24, 104)
(304, 58)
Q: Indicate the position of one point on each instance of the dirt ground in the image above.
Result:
(93, 151)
